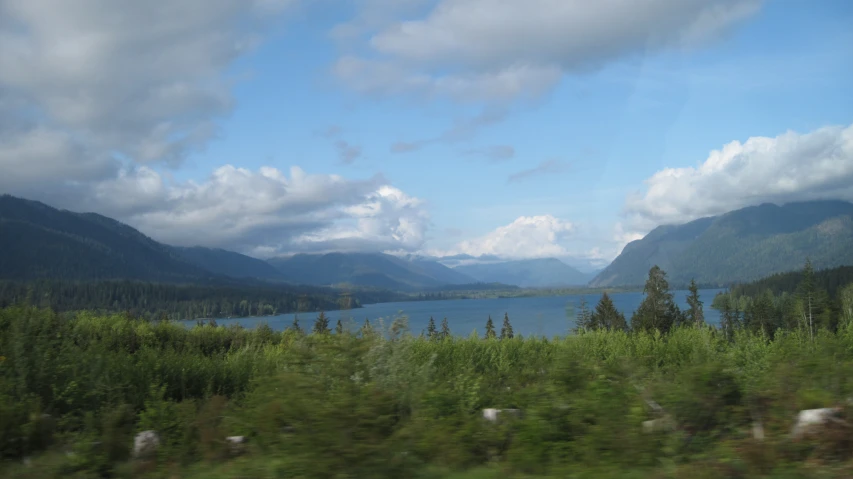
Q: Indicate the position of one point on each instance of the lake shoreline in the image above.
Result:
(549, 316)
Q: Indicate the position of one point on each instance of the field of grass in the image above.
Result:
(75, 390)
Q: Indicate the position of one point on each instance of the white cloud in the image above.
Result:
(487, 49)
(386, 219)
(264, 212)
(789, 167)
(84, 82)
(526, 237)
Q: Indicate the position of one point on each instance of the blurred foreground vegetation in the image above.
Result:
(369, 403)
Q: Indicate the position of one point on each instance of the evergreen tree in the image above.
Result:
(583, 316)
(445, 329)
(339, 328)
(606, 316)
(759, 314)
(845, 297)
(727, 305)
(295, 326)
(490, 329)
(366, 329)
(432, 332)
(695, 315)
(321, 324)
(506, 329)
(658, 311)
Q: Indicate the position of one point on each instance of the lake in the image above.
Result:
(539, 316)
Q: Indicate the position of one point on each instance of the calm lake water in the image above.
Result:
(540, 316)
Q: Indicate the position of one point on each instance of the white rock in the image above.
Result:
(808, 420)
(145, 444)
(492, 414)
(236, 444)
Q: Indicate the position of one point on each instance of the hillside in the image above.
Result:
(38, 241)
(229, 263)
(529, 273)
(367, 269)
(741, 245)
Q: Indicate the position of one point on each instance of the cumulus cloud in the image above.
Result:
(386, 219)
(788, 167)
(546, 167)
(487, 50)
(526, 237)
(264, 212)
(85, 84)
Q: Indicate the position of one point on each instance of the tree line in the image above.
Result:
(804, 300)
(170, 301)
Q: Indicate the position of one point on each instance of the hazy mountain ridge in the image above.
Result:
(528, 273)
(742, 245)
(368, 269)
(38, 241)
(229, 263)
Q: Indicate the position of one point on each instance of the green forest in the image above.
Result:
(657, 395)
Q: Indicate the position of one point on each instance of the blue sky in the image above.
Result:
(542, 136)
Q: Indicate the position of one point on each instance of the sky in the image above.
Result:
(508, 128)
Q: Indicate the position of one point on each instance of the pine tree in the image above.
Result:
(658, 310)
(506, 329)
(366, 329)
(445, 329)
(584, 314)
(695, 315)
(339, 328)
(490, 329)
(295, 326)
(728, 314)
(583, 318)
(759, 314)
(606, 316)
(321, 324)
(432, 333)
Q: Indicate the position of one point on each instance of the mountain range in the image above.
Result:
(528, 273)
(367, 269)
(739, 246)
(41, 242)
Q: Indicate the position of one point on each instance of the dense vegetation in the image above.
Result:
(367, 403)
(831, 280)
(815, 301)
(742, 245)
